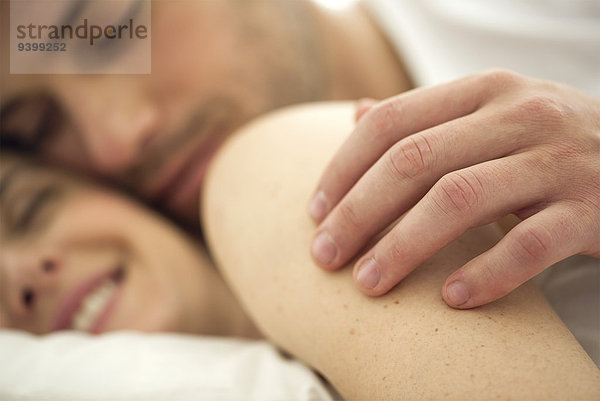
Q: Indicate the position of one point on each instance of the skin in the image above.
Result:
(400, 345)
(81, 231)
(407, 344)
(457, 156)
(140, 132)
(220, 65)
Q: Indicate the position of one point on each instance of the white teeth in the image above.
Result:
(92, 306)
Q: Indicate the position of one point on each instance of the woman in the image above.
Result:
(77, 256)
(407, 344)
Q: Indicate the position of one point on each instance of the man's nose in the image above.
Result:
(25, 279)
(115, 122)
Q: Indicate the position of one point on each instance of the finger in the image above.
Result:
(362, 106)
(534, 244)
(403, 175)
(462, 199)
(393, 119)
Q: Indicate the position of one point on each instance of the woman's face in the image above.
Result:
(75, 256)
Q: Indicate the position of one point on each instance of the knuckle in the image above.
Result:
(544, 109)
(567, 161)
(541, 111)
(495, 279)
(348, 216)
(458, 192)
(397, 251)
(567, 164)
(499, 78)
(582, 224)
(384, 119)
(490, 273)
(411, 157)
(394, 260)
(532, 244)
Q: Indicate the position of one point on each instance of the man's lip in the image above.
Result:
(189, 185)
(182, 179)
(73, 300)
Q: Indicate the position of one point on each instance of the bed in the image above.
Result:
(141, 366)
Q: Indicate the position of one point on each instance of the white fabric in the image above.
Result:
(442, 40)
(135, 366)
(558, 40)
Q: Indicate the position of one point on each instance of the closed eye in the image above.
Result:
(36, 205)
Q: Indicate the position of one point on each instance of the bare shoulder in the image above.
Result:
(407, 344)
(290, 130)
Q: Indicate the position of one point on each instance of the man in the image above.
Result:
(473, 150)
(215, 66)
(224, 62)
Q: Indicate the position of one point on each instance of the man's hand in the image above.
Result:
(461, 155)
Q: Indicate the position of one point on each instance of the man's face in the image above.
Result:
(215, 65)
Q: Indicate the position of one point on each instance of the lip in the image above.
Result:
(74, 299)
(182, 179)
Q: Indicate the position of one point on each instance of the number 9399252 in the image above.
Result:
(42, 47)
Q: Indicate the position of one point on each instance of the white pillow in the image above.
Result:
(141, 366)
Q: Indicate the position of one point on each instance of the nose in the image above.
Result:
(114, 121)
(25, 279)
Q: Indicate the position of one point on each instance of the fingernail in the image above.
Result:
(323, 248)
(368, 274)
(318, 206)
(457, 293)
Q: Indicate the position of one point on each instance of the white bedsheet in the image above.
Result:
(138, 366)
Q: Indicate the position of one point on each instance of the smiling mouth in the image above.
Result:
(89, 306)
(93, 306)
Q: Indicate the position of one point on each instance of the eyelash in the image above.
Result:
(35, 206)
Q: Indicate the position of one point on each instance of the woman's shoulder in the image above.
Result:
(293, 142)
(333, 119)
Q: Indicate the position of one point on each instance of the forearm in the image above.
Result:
(407, 344)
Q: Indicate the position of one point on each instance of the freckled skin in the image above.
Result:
(427, 364)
